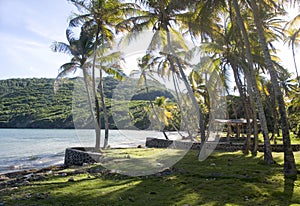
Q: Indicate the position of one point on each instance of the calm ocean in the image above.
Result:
(22, 149)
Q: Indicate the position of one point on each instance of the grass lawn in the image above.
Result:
(293, 137)
(222, 179)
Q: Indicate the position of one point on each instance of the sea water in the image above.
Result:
(22, 149)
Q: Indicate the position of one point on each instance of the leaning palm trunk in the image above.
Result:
(105, 114)
(95, 120)
(267, 146)
(289, 160)
(153, 109)
(254, 118)
(177, 91)
(275, 116)
(98, 117)
(295, 64)
(188, 87)
(245, 107)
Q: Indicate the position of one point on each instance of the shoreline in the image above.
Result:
(13, 180)
(19, 173)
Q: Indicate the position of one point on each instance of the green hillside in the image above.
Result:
(32, 103)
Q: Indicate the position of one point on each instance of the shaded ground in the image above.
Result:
(222, 179)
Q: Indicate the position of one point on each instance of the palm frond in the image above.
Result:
(81, 5)
(158, 41)
(115, 71)
(61, 47)
(78, 20)
(64, 70)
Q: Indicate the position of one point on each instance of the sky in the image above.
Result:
(27, 30)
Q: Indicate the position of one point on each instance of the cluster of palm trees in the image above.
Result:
(237, 36)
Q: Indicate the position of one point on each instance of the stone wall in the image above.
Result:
(221, 146)
(81, 155)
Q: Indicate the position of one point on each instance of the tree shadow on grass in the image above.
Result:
(223, 178)
(289, 185)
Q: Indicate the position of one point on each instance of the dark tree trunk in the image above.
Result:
(105, 114)
(267, 146)
(289, 160)
(189, 89)
(97, 108)
(246, 107)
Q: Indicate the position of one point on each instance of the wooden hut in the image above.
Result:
(236, 126)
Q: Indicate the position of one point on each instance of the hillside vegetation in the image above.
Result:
(32, 103)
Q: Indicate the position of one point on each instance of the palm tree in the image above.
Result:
(251, 80)
(81, 49)
(227, 52)
(101, 18)
(293, 39)
(162, 110)
(109, 62)
(162, 16)
(289, 160)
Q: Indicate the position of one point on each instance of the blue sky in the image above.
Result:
(27, 30)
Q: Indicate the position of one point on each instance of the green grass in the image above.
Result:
(222, 179)
(293, 137)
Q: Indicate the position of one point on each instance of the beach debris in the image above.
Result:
(95, 170)
(25, 183)
(34, 177)
(3, 178)
(63, 174)
(8, 189)
(50, 172)
(28, 176)
(27, 196)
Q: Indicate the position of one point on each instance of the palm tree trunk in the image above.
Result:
(153, 109)
(102, 96)
(275, 116)
(189, 89)
(246, 107)
(95, 121)
(105, 114)
(98, 117)
(183, 116)
(289, 160)
(267, 146)
(295, 64)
